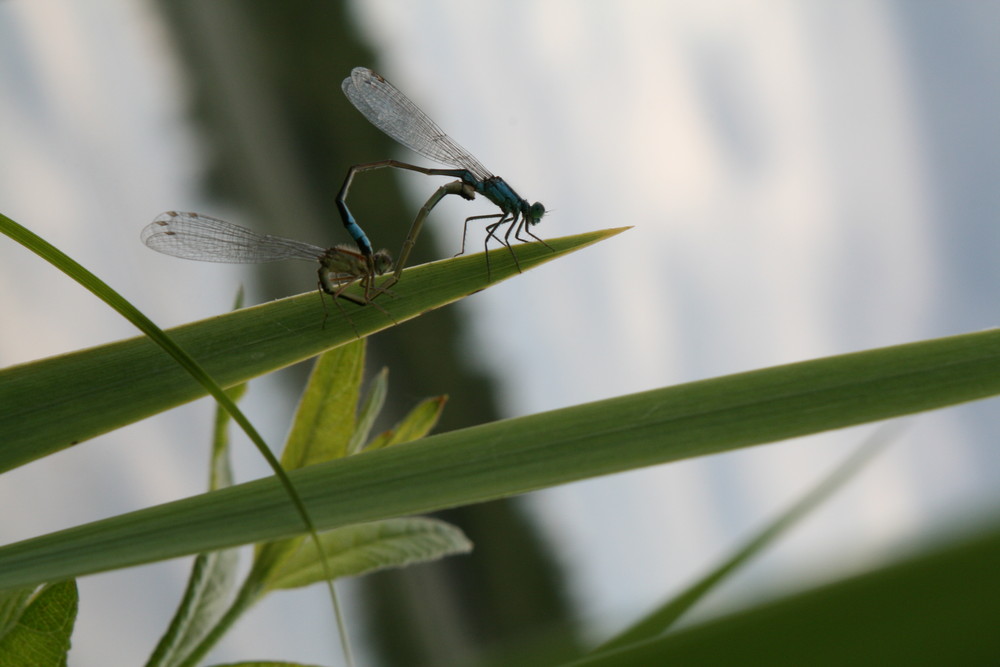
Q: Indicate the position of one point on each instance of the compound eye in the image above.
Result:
(536, 212)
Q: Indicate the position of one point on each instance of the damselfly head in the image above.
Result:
(383, 261)
(535, 213)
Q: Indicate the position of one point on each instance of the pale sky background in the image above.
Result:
(805, 179)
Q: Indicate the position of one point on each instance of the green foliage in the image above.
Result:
(37, 629)
(368, 547)
(323, 427)
(663, 618)
(938, 607)
(518, 455)
(48, 405)
(933, 608)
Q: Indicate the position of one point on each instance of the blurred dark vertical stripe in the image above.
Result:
(265, 94)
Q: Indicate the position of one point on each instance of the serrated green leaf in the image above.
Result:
(323, 426)
(208, 592)
(41, 636)
(417, 424)
(364, 548)
(324, 421)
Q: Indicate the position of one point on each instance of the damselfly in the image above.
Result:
(391, 111)
(206, 239)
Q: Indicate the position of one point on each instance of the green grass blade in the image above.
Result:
(661, 619)
(938, 608)
(220, 467)
(179, 355)
(54, 403)
(518, 455)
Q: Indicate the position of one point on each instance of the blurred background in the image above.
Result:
(805, 179)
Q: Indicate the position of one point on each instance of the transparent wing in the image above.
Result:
(207, 239)
(391, 111)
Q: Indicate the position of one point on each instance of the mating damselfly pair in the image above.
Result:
(204, 238)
